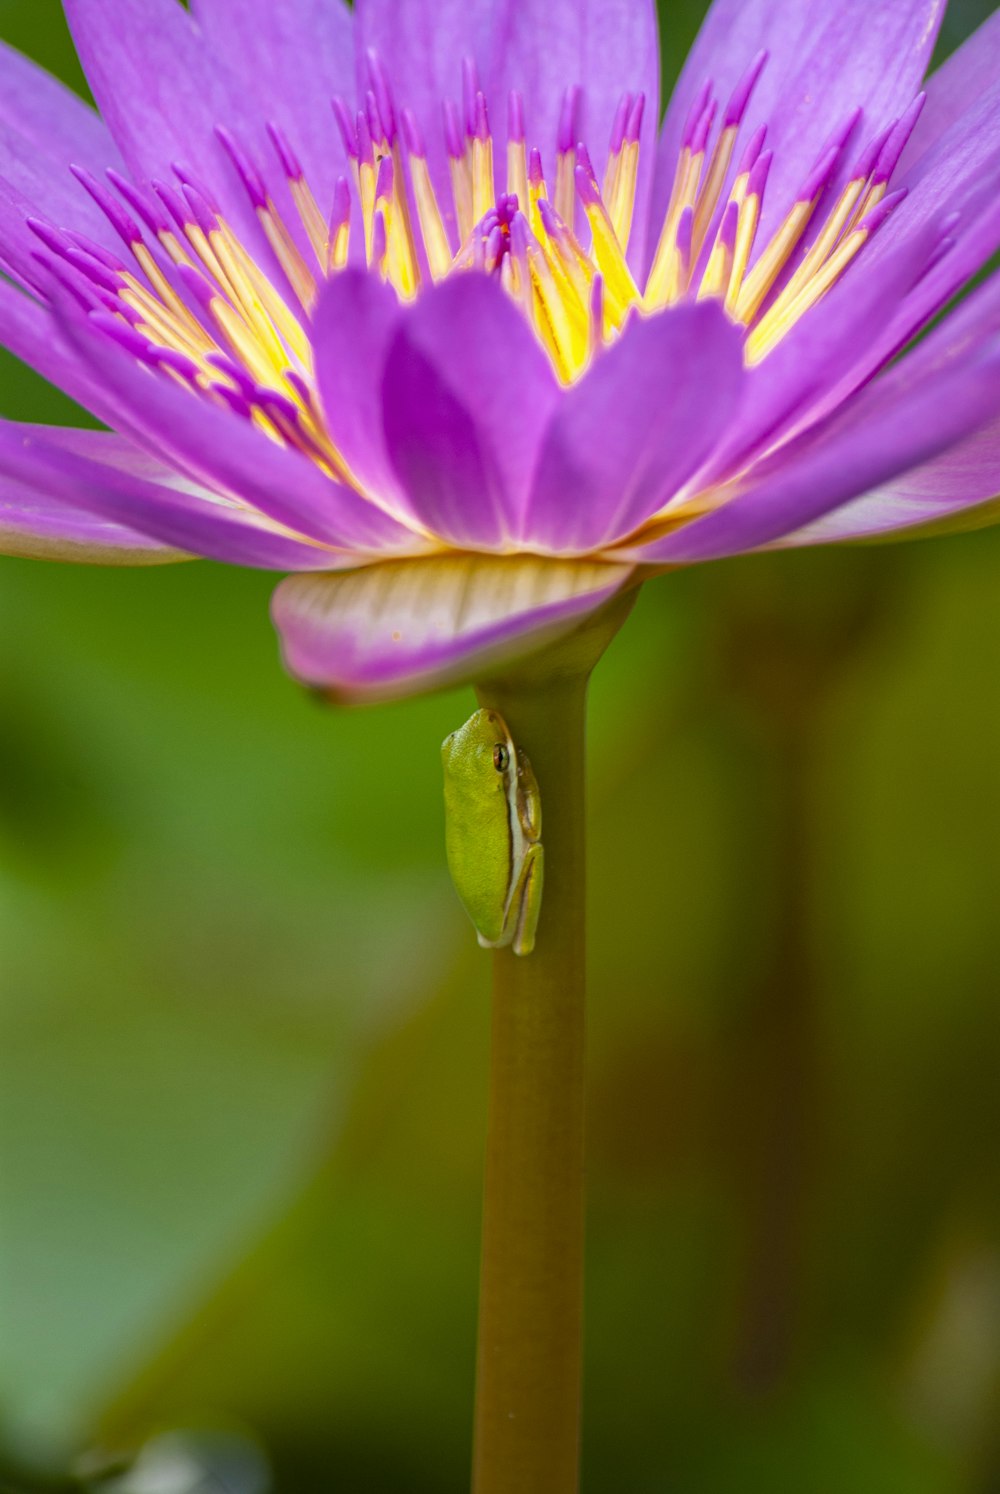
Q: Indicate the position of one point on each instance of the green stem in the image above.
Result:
(527, 1424)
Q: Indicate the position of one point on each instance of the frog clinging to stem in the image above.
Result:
(493, 826)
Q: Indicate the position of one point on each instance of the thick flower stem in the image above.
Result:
(528, 1382)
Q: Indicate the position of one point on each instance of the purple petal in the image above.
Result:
(162, 93)
(291, 59)
(44, 129)
(907, 306)
(228, 454)
(55, 120)
(31, 333)
(90, 489)
(824, 61)
(34, 186)
(354, 324)
(952, 205)
(966, 477)
(956, 175)
(926, 404)
(467, 394)
(406, 626)
(539, 47)
(959, 490)
(964, 77)
(824, 358)
(37, 526)
(628, 436)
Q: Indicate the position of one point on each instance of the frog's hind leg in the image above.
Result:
(532, 878)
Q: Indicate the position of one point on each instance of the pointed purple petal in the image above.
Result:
(823, 359)
(291, 58)
(31, 333)
(956, 175)
(628, 436)
(824, 61)
(867, 322)
(403, 627)
(51, 117)
(44, 129)
(93, 494)
(955, 489)
(964, 77)
(355, 321)
(959, 490)
(33, 186)
(35, 526)
(926, 404)
(162, 93)
(467, 394)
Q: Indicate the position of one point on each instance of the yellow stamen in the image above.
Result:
(517, 172)
(663, 271)
(312, 218)
(620, 288)
(822, 246)
(432, 230)
(338, 248)
(622, 206)
(566, 335)
(461, 187)
(781, 318)
(715, 282)
(483, 189)
(767, 269)
(286, 252)
(366, 191)
(746, 232)
(715, 177)
(565, 194)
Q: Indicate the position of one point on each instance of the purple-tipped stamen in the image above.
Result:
(412, 138)
(290, 163)
(897, 141)
(147, 211)
(699, 139)
(345, 124)
(819, 178)
(379, 81)
(700, 104)
(752, 152)
(568, 128)
(453, 134)
(619, 124)
(122, 222)
(633, 128)
(470, 92)
(881, 211)
(742, 93)
(759, 174)
(480, 119)
(245, 168)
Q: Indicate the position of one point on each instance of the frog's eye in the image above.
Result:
(501, 758)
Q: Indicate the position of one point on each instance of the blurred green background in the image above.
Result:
(244, 1024)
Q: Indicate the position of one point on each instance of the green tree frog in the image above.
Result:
(493, 826)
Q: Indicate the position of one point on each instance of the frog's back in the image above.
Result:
(478, 844)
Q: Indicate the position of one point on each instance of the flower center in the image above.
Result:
(195, 303)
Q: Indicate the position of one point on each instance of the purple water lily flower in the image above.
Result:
(414, 301)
